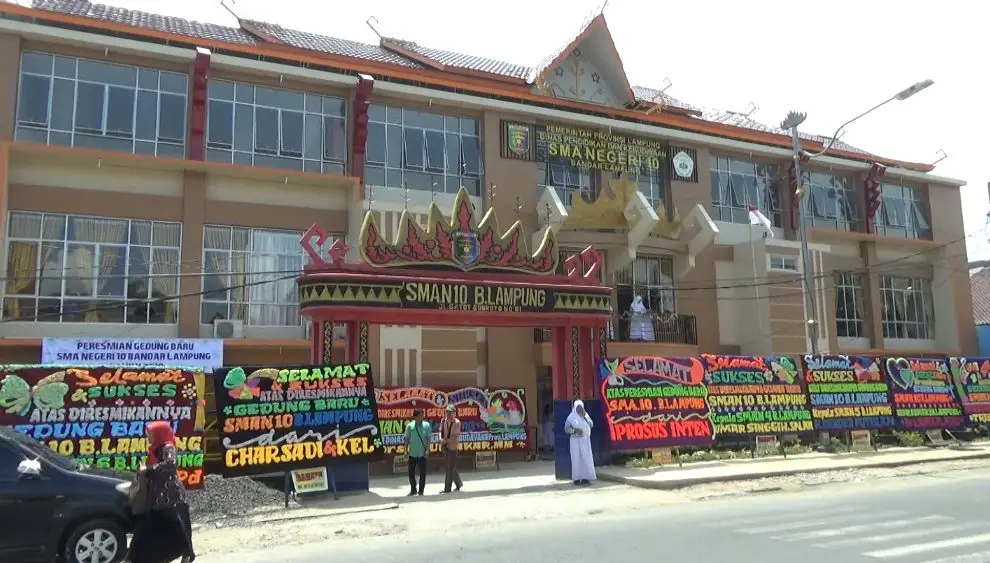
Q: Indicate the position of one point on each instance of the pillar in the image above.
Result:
(357, 342)
(320, 347)
(588, 366)
(559, 363)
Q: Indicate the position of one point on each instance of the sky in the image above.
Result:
(832, 60)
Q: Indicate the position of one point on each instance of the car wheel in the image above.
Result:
(96, 541)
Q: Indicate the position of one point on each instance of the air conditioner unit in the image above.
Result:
(225, 328)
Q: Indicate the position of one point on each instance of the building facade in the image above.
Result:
(158, 174)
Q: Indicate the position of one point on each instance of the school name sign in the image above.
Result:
(179, 352)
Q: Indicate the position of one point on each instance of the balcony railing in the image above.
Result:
(667, 328)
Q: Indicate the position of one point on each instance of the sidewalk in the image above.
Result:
(674, 477)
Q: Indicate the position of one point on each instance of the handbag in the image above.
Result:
(137, 494)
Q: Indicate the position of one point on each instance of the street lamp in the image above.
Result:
(793, 120)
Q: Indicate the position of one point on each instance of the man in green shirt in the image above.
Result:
(418, 436)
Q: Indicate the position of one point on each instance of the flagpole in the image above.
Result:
(756, 283)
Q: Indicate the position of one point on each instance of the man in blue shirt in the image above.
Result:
(417, 441)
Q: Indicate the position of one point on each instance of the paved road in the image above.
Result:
(921, 519)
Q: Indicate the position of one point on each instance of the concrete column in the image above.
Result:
(191, 254)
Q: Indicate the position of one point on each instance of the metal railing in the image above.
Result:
(667, 328)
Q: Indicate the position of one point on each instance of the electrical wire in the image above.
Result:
(784, 280)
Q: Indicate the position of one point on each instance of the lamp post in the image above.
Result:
(792, 122)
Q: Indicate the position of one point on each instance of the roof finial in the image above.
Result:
(223, 4)
(372, 26)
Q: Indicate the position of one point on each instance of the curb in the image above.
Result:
(690, 481)
(330, 513)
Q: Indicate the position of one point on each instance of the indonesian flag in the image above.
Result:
(758, 218)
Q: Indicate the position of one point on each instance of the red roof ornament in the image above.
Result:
(460, 243)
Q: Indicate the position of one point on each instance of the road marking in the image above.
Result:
(911, 534)
(981, 557)
(859, 528)
(817, 523)
(787, 516)
(930, 546)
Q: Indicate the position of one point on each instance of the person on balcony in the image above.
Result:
(640, 321)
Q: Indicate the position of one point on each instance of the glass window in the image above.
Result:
(903, 213)
(849, 318)
(250, 275)
(422, 150)
(72, 268)
(834, 203)
(737, 184)
(780, 262)
(261, 126)
(908, 309)
(652, 279)
(82, 103)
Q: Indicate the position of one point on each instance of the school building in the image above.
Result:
(158, 173)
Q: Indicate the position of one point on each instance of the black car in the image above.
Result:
(62, 514)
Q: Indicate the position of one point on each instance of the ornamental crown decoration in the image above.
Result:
(460, 243)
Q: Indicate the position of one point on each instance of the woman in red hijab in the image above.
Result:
(164, 533)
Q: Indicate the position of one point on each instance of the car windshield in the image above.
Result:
(40, 450)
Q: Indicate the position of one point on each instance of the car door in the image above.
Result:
(26, 509)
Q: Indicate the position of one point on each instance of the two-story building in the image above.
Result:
(157, 174)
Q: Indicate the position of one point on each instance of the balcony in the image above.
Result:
(669, 328)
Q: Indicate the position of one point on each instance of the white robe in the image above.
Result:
(582, 460)
(640, 323)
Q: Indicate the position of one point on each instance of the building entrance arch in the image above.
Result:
(460, 271)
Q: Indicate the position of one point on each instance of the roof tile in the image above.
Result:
(468, 62)
(742, 120)
(345, 48)
(146, 20)
(332, 46)
(980, 285)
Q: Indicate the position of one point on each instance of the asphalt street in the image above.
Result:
(938, 518)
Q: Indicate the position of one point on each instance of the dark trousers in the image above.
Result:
(417, 464)
(450, 470)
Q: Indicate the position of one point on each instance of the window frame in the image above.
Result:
(396, 164)
(231, 101)
(897, 290)
(162, 87)
(914, 204)
(782, 265)
(822, 195)
(127, 303)
(766, 186)
(250, 299)
(850, 293)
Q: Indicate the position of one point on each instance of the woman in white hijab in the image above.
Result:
(578, 426)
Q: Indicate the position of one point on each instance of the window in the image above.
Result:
(903, 213)
(9, 460)
(652, 279)
(88, 269)
(908, 310)
(783, 263)
(569, 181)
(737, 184)
(259, 126)
(250, 275)
(82, 103)
(423, 150)
(849, 319)
(833, 201)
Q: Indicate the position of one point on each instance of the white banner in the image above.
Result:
(173, 352)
